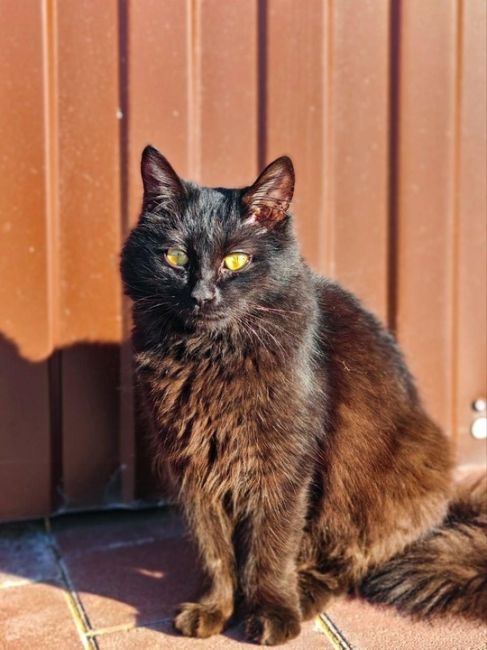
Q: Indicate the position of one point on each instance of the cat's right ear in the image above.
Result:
(161, 183)
(268, 199)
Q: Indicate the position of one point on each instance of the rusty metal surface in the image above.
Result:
(225, 92)
(358, 149)
(88, 187)
(470, 352)
(25, 287)
(294, 47)
(87, 245)
(382, 106)
(426, 187)
(25, 337)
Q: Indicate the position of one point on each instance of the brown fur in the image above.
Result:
(445, 571)
(231, 480)
(293, 433)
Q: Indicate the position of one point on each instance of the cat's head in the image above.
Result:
(203, 257)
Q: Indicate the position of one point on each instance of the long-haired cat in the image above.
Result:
(287, 420)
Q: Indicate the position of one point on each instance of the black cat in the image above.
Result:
(287, 420)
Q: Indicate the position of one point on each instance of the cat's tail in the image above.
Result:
(444, 572)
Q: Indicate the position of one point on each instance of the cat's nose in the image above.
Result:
(203, 293)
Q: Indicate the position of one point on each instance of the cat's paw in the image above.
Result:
(314, 593)
(199, 620)
(273, 625)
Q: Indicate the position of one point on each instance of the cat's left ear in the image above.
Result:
(161, 183)
(268, 199)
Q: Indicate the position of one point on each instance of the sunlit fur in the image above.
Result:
(286, 418)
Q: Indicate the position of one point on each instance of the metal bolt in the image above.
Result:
(478, 428)
(480, 405)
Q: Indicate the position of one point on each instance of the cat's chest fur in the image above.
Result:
(218, 418)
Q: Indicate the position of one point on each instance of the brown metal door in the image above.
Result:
(382, 106)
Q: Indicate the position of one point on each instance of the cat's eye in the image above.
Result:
(236, 261)
(176, 257)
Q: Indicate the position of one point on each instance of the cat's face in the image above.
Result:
(205, 257)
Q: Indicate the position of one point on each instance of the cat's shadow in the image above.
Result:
(127, 566)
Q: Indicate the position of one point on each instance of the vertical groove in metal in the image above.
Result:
(194, 88)
(471, 290)
(454, 277)
(327, 234)
(123, 81)
(262, 65)
(426, 159)
(126, 406)
(393, 179)
(51, 165)
(51, 170)
(56, 430)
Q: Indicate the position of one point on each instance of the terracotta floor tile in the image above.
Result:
(163, 638)
(135, 584)
(25, 554)
(78, 534)
(36, 617)
(367, 627)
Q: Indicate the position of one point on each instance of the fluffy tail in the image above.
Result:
(444, 572)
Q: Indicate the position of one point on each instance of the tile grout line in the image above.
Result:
(88, 635)
(331, 631)
(78, 613)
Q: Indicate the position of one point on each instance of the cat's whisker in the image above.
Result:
(158, 306)
(145, 298)
(265, 332)
(144, 301)
(272, 309)
(279, 345)
(279, 329)
(252, 333)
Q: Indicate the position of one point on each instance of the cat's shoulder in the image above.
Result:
(334, 298)
(343, 312)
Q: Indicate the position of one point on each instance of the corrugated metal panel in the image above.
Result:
(25, 289)
(426, 188)
(88, 244)
(381, 105)
(358, 149)
(470, 327)
(293, 102)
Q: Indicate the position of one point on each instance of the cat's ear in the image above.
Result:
(268, 199)
(161, 183)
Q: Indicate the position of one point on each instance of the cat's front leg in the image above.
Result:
(269, 578)
(212, 531)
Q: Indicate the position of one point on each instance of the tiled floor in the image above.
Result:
(112, 581)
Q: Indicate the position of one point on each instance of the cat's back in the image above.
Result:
(358, 350)
(375, 412)
(385, 462)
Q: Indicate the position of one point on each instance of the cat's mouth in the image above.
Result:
(209, 319)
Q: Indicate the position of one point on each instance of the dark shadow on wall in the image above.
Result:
(71, 437)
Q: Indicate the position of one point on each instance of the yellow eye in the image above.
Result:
(176, 257)
(236, 261)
